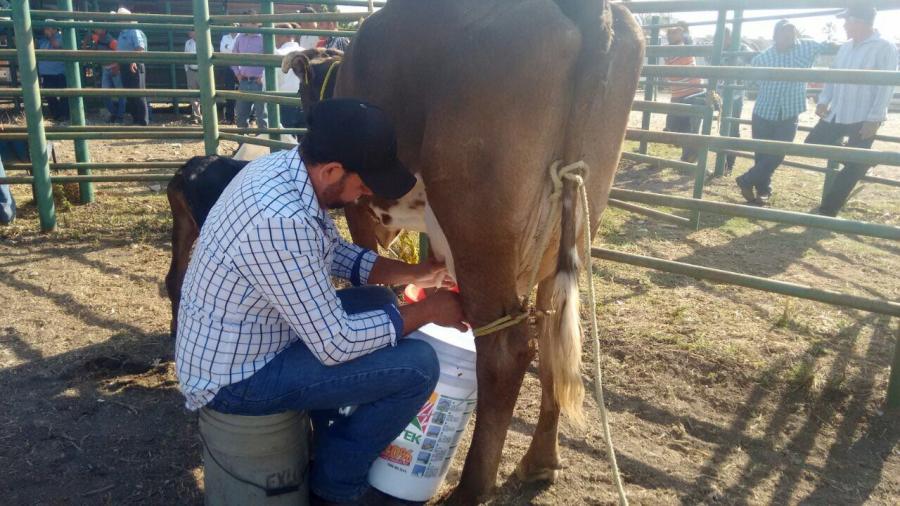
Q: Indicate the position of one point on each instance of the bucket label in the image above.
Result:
(432, 435)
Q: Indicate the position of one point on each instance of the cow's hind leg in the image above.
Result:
(542, 462)
(184, 232)
(502, 360)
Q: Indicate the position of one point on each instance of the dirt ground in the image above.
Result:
(717, 394)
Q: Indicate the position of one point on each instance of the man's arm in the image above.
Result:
(278, 259)
(363, 267)
(885, 59)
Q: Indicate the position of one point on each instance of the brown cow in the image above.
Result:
(486, 95)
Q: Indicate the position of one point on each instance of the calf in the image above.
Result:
(192, 191)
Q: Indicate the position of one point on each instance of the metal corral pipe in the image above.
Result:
(649, 84)
(714, 5)
(69, 136)
(287, 17)
(804, 128)
(873, 77)
(665, 108)
(755, 18)
(671, 218)
(264, 97)
(106, 16)
(767, 285)
(82, 55)
(271, 83)
(107, 92)
(100, 165)
(117, 128)
(814, 168)
(284, 31)
(76, 104)
(667, 51)
(205, 77)
(260, 141)
(759, 213)
(728, 93)
(260, 60)
(855, 155)
(37, 140)
(109, 25)
(93, 178)
(351, 3)
(662, 162)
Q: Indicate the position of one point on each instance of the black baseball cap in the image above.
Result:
(360, 137)
(860, 12)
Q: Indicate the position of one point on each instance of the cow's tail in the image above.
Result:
(561, 349)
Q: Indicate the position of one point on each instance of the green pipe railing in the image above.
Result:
(37, 139)
(873, 77)
(642, 7)
(76, 104)
(206, 78)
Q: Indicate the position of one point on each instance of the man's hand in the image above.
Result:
(431, 274)
(443, 308)
(822, 110)
(869, 129)
(134, 68)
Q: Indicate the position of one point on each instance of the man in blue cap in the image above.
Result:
(853, 111)
(261, 328)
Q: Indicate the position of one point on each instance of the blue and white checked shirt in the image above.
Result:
(780, 100)
(259, 281)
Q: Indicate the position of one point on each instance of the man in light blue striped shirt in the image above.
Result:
(854, 111)
(778, 105)
(261, 328)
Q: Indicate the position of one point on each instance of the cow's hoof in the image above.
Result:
(528, 474)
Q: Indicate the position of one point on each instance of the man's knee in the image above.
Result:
(421, 356)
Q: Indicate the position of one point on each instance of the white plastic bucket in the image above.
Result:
(415, 464)
(255, 459)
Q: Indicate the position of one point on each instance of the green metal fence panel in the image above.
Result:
(37, 140)
(76, 105)
(206, 77)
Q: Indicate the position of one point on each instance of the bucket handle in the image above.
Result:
(270, 492)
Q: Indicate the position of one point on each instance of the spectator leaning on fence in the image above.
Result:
(854, 111)
(53, 74)
(332, 42)
(111, 74)
(190, 72)
(249, 78)
(134, 74)
(737, 104)
(778, 105)
(684, 90)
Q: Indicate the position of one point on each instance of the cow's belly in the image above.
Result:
(412, 212)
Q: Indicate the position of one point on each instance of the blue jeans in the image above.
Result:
(242, 107)
(7, 203)
(387, 386)
(760, 175)
(115, 106)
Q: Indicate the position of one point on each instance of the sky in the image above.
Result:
(887, 22)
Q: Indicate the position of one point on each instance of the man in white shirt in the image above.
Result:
(308, 41)
(193, 83)
(225, 78)
(854, 111)
(286, 44)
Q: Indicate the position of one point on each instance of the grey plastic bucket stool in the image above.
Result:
(255, 460)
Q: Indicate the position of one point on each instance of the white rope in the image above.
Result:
(595, 337)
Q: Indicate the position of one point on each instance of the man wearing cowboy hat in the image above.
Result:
(261, 328)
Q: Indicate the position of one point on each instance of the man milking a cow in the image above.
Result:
(262, 329)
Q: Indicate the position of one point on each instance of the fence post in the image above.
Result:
(830, 174)
(76, 107)
(703, 151)
(172, 73)
(893, 390)
(268, 7)
(726, 123)
(203, 37)
(650, 82)
(31, 95)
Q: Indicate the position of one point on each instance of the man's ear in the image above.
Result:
(331, 172)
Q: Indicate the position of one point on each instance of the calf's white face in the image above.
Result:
(412, 212)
